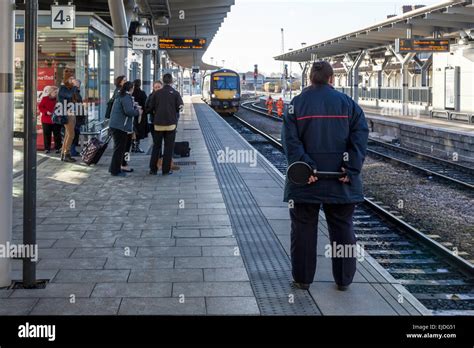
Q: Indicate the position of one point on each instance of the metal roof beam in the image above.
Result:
(193, 23)
(438, 23)
(450, 17)
(460, 10)
(204, 11)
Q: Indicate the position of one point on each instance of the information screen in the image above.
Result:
(167, 43)
(421, 45)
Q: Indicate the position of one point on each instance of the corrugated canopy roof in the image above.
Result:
(202, 19)
(447, 17)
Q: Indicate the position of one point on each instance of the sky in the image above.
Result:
(251, 33)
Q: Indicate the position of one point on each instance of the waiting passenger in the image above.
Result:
(140, 124)
(124, 111)
(165, 106)
(327, 130)
(46, 108)
(67, 97)
(80, 118)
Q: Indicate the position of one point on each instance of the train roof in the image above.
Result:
(224, 71)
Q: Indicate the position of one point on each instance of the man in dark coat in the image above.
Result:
(140, 124)
(165, 105)
(327, 130)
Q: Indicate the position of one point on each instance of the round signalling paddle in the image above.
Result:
(300, 172)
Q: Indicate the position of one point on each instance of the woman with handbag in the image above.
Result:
(67, 99)
(46, 108)
(122, 118)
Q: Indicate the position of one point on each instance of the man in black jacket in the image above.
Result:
(165, 106)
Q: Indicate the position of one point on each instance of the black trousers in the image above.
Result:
(304, 239)
(77, 134)
(158, 137)
(48, 130)
(126, 153)
(120, 143)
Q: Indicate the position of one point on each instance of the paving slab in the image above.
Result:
(163, 306)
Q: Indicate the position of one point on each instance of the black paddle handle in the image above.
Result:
(329, 175)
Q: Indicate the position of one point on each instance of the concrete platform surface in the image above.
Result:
(211, 239)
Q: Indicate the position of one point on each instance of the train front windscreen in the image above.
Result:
(226, 82)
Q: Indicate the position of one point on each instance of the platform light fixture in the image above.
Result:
(142, 29)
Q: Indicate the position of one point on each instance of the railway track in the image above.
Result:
(448, 171)
(437, 277)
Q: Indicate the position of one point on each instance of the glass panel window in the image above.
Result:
(225, 82)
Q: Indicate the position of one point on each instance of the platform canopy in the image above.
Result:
(445, 18)
(186, 19)
(202, 19)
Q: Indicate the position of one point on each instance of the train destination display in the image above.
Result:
(421, 45)
(168, 43)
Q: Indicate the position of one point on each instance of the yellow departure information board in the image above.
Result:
(421, 45)
(168, 43)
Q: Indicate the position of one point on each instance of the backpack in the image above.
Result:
(182, 149)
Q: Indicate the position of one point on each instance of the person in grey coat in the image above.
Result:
(124, 111)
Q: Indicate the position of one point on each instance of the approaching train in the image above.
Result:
(221, 90)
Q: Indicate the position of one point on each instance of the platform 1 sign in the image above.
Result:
(145, 42)
(63, 17)
(421, 45)
(168, 43)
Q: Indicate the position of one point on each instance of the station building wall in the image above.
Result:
(462, 57)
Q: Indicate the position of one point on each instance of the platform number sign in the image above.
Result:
(63, 17)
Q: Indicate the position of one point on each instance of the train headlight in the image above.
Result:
(213, 96)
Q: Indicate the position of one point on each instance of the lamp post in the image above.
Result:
(291, 78)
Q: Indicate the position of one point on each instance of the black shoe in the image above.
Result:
(58, 151)
(342, 287)
(152, 172)
(47, 151)
(302, 286)
(68, 159)
(127, 170)
(169, 173)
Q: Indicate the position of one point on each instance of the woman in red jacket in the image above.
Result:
(46, 107)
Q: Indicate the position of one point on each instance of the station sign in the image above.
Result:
(145, 42)
(169, 43)
(63, 17)
(19, 34)
(421, 45)
(196, 69)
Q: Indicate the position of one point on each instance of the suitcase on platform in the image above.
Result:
(94, 150)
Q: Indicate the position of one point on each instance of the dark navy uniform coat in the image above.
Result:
(328, 130)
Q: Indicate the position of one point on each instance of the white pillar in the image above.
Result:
(121, 55)
(120, 13)
(355, 75)
(7, 28)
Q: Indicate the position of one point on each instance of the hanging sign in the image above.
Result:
(63, 17)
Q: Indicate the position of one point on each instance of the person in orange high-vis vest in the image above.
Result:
(280, 107)
(269, 105)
